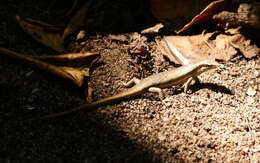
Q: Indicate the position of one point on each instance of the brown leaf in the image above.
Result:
(179, 15)
(208, 13)
(72, 8)
(42, 32)
(76, 76)
(70, 59)
(88, 94)
(77, 20)
(184, 49)
(152, 30)
(165, 49)
(189, 49)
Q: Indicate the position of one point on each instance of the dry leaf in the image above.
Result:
(189, 49)
(152, 30)
(77, 20)
(73, 7)
(70, 59)
(208, 13)
(165, 49)
(42, 32)
(76, 76)
(88, 94)
(183, 49)
(174, 14)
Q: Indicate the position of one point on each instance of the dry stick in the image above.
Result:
(40, 64)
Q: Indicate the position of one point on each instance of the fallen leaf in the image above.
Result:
(88, 94)
(42, 32)
(70, 59)
(76, 76)
(179, 15)
(77, 20)
(208, 13)
(183, 49)
(165, 49)
(73, 7)
(152, 30)
(190, 49)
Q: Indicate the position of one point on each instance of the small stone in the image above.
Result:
(81, 35)
(195, 131)
(30, 107)
(251, 91)
(250, 100)
(161, 136)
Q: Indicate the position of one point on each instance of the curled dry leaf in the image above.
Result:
(88, 94)
(77, 20)
(179, 15)
(71, 59)
(43, 32)
(208, 13)
(75, 2)
(75, 75)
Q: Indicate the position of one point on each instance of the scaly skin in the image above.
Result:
(153, 83)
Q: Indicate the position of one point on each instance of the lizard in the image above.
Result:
(154, 83)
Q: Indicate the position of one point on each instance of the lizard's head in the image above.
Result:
(206, 65)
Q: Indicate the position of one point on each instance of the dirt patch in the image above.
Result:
(217, 121)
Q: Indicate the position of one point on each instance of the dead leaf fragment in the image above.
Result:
(152, 30)
(77, 20)
(208, 13)
(179, 15)
(42, 32)
(71, 58)
(88, 94)
(72, 8)
(76, 76)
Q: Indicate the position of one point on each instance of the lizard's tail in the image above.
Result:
(89, 107)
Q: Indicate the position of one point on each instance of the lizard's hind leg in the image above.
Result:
(132, 82)
(157, 90)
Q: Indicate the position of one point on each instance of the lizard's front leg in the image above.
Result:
(157, 90)
(131, 82)
(188, 82)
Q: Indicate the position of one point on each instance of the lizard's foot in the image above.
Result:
(157, 90)
(131, 82)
